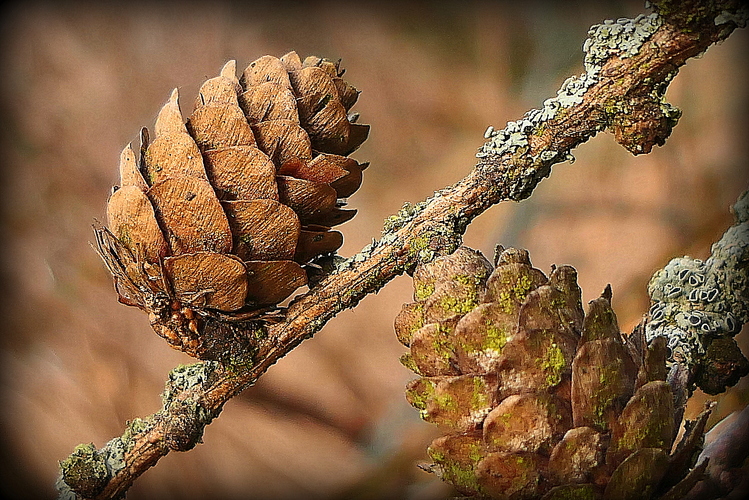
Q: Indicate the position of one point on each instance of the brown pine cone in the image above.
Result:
(218, 219)
(535, 399)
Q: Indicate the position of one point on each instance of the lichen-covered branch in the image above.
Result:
(628, 63)
(698, 306)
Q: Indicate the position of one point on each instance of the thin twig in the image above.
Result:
(628, 67)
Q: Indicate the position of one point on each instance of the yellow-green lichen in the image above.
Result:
(418, 311)
(505, 301)
(460, 474)
(475, 453)
(404, 215)
(436, 455)
(495, 338)
(480, 399)
(418, 245)
(572, 492)
(419, 397)
(134, 428)
(423, 290)
(442, 347)
(445, 402)
(85, 471)
(458, 305)
(603, 398)
(408, 361)
(650, 435)
(473, 281)
(649, 431)
(124, 236)
(514, 293)
(553, 364)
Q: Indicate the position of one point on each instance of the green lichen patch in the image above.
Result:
(536, 361)
(496, 336)
(553, 364)
(600, 322)
(408, 361)
(603, 378)
(418, 249)
(136, 427)
(406, 214)
(465, 264)
(420, 392)
(480, 336)
(510, 284)
(85, 471)
(456, 458)
(462, 402)
(423, 290)
(646, 422)
(432, 351)
(482, 397)
(455, 301)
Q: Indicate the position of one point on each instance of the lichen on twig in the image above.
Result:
(700, 305)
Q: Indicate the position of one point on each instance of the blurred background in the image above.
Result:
(329, 421)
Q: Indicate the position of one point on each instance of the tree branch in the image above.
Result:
(628, 63)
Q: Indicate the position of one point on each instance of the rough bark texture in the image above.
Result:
(622, 90)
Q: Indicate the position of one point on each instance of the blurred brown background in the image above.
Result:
(329, 421)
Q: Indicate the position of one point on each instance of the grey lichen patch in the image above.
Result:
(441, 237)
(185, 417)
(406, 214)
(739, 18)
(185, 377)
(115, 451)
(622, 38)
(695, 301)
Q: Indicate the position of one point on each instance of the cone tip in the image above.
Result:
(230, 70)
(169, 119)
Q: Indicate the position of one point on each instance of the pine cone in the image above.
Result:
(218, 219)
(536, 399)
